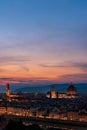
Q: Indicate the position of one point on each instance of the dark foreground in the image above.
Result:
(40, 124)
(18, 125)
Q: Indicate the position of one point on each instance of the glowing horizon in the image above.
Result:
(43, 41)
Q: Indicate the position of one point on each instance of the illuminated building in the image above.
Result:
(2, 110)
(83, 117)
(7, 91)
(48, 94)
(52, 93)
(70, 93)
(62, 95)
(10, 96)
(72, 115)
(71, 90)
(34, 105)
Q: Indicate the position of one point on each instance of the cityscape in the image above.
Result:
(43, 64)
(68, 106)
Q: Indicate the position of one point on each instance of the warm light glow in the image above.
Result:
(37, 74)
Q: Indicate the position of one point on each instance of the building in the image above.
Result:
(52, 93)
(72, 115)
(71, 92)
(7, 91)
(83, 116)
(11, 96)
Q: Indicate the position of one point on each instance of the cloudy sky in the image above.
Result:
(43, 41)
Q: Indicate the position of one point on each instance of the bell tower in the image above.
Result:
(53, 92)
(7, 90)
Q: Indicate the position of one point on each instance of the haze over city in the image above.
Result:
(43, 41)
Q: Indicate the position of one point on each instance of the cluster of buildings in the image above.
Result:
(10, 95)
(61, 106)
(70, 93)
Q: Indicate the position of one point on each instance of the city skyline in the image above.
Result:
(43, 41)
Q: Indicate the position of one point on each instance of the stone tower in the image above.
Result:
(53, 92)
(7, 90)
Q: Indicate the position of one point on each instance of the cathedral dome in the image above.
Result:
(71, 90)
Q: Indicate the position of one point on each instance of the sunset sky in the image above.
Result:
(43, 41)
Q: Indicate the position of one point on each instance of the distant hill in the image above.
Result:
(81, 88)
